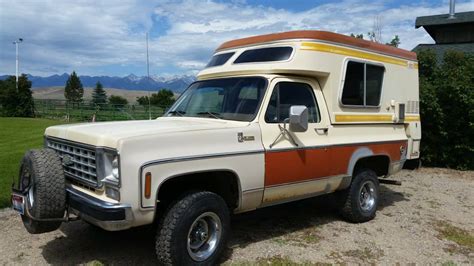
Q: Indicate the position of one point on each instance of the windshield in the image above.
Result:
(226, 98)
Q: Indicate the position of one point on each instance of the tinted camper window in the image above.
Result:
(264, 55)
(219, 59)
(362, 84)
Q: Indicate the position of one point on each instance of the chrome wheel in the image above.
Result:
(204, 236)
(31, 196)
(26, 182)
(367, 196)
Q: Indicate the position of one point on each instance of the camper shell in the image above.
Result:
(325, 56)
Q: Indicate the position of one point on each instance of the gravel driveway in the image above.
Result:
(429, 219)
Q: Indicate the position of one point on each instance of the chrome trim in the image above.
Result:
(308, 180)
(99, 152)
(106, 225)
(79, 162)
(199, 157)
(334, 145)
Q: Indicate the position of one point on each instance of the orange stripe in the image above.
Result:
(283, 167)
(297, 165)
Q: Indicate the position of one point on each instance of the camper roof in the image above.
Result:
(320, 36)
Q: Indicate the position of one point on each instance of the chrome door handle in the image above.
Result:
(324, 129)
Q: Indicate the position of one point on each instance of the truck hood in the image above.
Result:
(108, 134)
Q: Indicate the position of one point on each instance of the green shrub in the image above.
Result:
(16, 101)
(447, 109)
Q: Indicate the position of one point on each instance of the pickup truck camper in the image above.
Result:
(271, 119)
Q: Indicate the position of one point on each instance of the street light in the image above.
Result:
(148, 77)
(16, 44)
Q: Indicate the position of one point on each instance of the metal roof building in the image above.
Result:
(454, 31)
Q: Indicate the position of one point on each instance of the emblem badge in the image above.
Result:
(67, 160)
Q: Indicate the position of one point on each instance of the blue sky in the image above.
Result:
(107, 37)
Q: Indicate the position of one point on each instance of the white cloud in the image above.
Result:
(85, 35)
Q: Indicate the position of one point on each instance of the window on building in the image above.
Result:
(362, 84)
(287, 94)
(264, 55)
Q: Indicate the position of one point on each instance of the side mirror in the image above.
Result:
(298, 118)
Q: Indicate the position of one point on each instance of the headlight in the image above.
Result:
(115, 168)
(110, 173)
(109, 168)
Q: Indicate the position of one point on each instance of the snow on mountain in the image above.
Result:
(176, 83)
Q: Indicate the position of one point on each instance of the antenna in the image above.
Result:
(148, 76)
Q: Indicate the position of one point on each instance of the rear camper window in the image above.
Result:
(362, 84)
(264, 55)
(219, 59)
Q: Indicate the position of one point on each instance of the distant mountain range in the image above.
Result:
(175, 83)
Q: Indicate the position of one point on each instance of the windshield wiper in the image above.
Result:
(213, 114)
(180, 113)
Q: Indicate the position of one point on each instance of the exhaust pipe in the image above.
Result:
(452, 4)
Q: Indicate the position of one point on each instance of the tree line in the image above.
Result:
(74, 92)
(19, 102)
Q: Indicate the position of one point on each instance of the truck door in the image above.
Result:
(296, 163)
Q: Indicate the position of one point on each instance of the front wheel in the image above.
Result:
(194, 230)
(359, 202)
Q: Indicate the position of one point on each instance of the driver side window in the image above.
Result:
(287, 94)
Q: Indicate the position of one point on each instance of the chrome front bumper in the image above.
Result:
(109, 216)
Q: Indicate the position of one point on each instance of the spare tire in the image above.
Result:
(42, 179)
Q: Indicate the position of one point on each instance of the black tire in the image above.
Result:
(349, 200)
(172, 239)
(42, 177)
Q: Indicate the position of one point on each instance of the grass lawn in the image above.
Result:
(17, 135)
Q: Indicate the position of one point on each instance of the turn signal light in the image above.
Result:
(148, 185)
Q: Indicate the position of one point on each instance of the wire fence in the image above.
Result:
(87, 111)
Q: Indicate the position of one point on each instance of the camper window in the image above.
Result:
(362, 84)
(219, 59)
(264, 55)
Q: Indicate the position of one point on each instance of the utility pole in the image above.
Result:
(17, 63)
(148, 75)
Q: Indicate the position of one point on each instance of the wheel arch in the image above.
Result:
(365, 158)
(379, 163)
(224, 182)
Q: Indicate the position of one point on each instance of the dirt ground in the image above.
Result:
(429, 219)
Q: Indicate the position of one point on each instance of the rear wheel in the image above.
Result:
(42, 178)
(194, 230)
(359, 202)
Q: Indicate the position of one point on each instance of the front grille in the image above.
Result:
(79, 162)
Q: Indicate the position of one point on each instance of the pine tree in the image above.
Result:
(99, 96)
(73, 90)
(16, 102)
